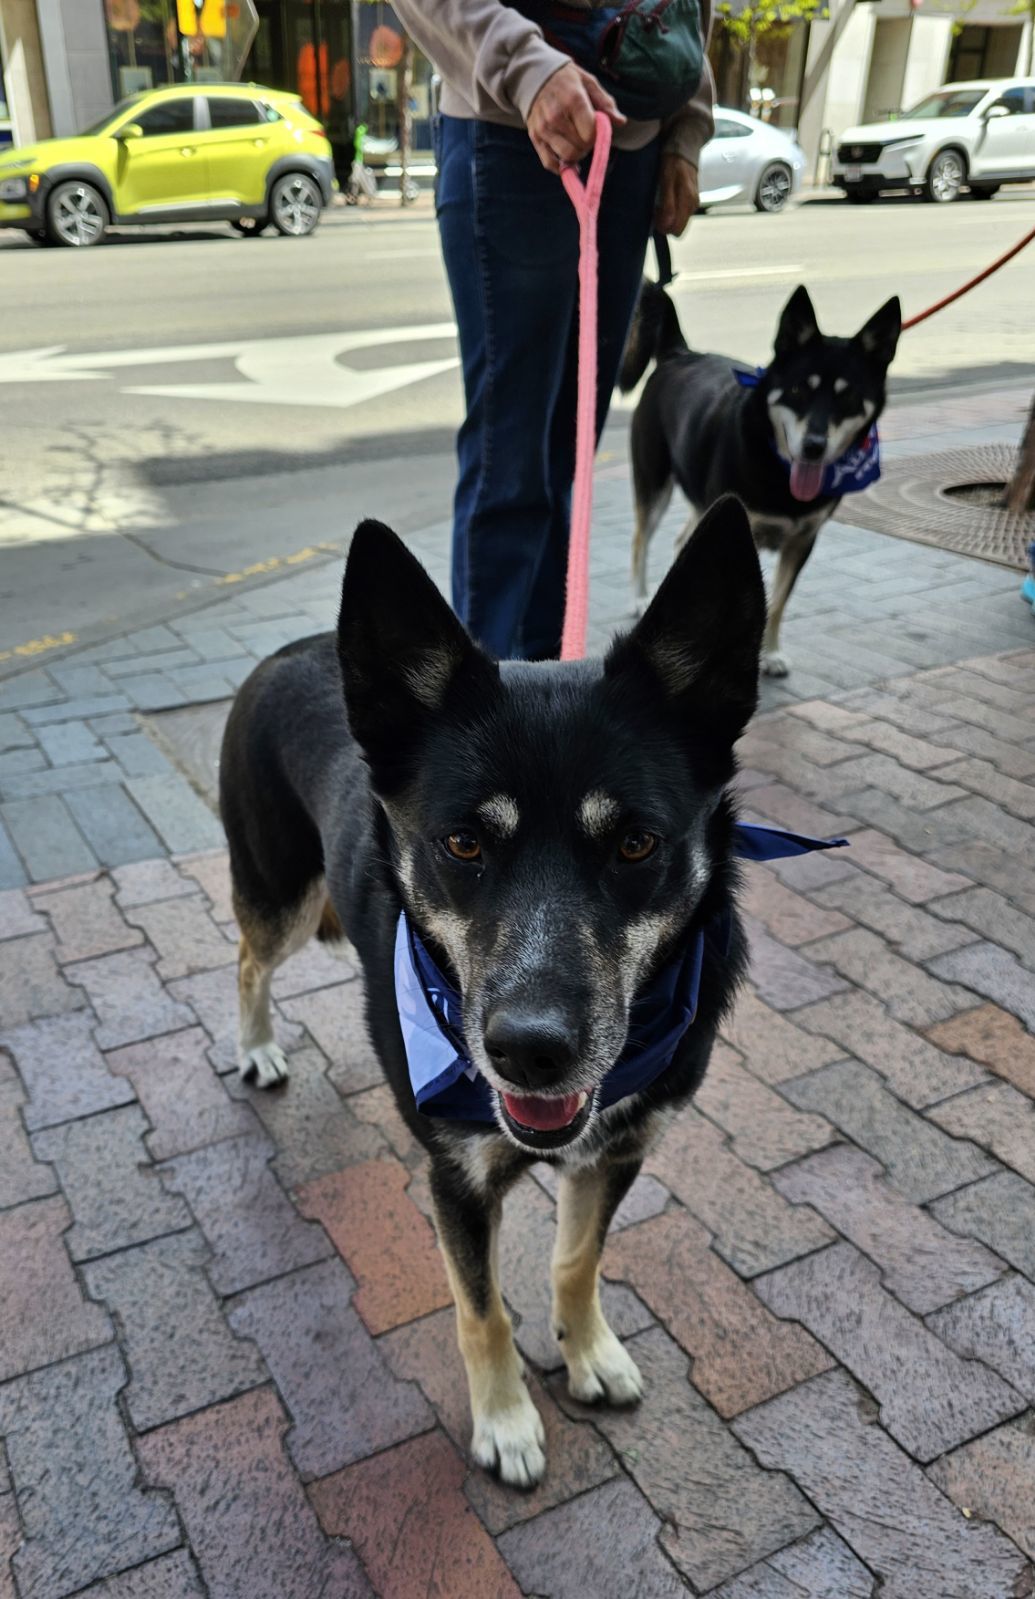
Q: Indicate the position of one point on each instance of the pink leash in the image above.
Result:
(586, 200)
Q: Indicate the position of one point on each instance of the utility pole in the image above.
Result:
(405, 118)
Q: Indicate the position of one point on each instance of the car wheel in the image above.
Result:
(983, 191)
(860, 196)
(774, 188)
(295, 204)
(76, 214)
(250, 227)
(945, 177)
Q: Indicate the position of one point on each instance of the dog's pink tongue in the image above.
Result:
(542, 1115)
(806, 479)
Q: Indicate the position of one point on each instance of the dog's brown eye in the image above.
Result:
(463, 847)
(637, 845)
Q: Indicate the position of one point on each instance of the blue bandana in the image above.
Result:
(445, 1081)
(851, 472)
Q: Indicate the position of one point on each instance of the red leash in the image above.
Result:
(586, 200)
(958, 293)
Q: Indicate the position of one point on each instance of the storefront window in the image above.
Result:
(306, 45)
(379, 50)
(152, 42)
(144, 45)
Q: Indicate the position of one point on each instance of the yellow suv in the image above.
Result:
(191, 153)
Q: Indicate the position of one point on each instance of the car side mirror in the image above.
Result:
(996, 111)
(132, 130)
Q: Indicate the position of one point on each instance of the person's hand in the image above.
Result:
(561, 123)
(678, 196)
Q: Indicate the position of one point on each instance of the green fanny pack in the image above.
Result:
(648, 54)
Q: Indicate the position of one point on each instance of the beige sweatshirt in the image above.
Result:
(493, 62)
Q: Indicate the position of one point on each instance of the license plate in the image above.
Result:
(853, 174)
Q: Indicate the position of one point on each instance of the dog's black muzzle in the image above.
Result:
(536, 1050)
(533, 1049)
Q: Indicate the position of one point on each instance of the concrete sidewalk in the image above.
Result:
(227, 1360)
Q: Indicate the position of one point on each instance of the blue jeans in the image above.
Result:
(510, 240)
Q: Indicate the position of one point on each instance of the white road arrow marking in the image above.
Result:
(307, 370)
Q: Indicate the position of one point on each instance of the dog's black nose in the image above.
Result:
(530, 1048)
(814, 446)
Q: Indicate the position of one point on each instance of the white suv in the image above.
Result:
(979, 134)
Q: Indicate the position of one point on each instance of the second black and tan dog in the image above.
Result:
(785, 440)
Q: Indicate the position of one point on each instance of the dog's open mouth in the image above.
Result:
(546, 1121)
(807, 479)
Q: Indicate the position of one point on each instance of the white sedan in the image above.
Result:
(978, 135)
(747, 159)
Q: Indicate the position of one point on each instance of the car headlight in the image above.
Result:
(903, 144)
(14, 188)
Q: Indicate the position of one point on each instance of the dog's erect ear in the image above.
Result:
(404, 656)
(879, 336)
(701, 634)
(798, 325)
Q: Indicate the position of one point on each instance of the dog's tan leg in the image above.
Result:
(259, 1056)
(598, 1365)
(507, 1434)
(333, 937)
(793, 556)
(649, 512)
(264, 946)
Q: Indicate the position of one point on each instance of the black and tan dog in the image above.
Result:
(535, 865)
(789, 441)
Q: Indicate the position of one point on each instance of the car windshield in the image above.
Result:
(947, 103)
(110, 117)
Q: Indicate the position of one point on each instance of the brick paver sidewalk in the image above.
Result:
(227, 1361)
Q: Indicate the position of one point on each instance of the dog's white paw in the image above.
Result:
(264, 1064)
(640, 603)
(774, 664)
(510, 1443)
(605, 1370)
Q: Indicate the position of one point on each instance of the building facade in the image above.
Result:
(865, 61)
(871, 60)
(54, 57)
(64, 62)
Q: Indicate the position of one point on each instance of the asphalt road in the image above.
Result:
(185, 405)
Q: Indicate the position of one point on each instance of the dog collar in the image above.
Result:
(851, 472)
(444, 1079)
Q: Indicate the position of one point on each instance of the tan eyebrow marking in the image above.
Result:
(501, 813)
(598, 813)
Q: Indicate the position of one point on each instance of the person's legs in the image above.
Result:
(510, 243)
(623, 229)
